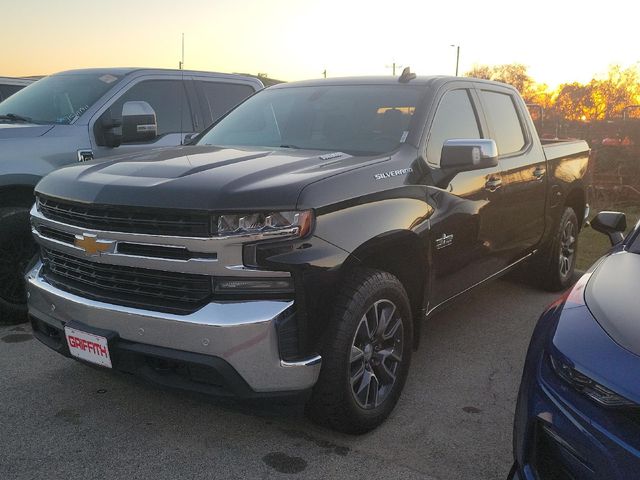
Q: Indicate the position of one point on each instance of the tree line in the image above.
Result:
(610, 97)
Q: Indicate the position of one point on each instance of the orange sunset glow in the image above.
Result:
(297, 39)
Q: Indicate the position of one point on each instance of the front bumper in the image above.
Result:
(240, 335)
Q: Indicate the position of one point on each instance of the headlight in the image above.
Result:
(589, 387)
(276, 224)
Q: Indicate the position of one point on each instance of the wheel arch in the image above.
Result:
(402, 254)
(18, 195)
(576, 199)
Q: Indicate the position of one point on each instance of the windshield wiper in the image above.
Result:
(290, 146)
(16, 118)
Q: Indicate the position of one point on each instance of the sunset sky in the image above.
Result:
(560, 41)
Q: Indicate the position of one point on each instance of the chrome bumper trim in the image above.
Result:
(241, 333)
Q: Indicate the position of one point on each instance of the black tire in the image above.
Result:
(17, 250)
(364, 294)
(556, 263)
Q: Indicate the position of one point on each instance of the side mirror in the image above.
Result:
(613, 224)
(471, 154)
(189, 138)
(111, 131)
(138, 122)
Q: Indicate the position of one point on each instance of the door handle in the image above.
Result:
(539, 172)
(493, 184)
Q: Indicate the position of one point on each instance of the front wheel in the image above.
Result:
(17, 249)
(366, 355)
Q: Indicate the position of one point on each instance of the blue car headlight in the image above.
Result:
(589, 387)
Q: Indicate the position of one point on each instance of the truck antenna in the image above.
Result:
(406, 76)
(181, 92)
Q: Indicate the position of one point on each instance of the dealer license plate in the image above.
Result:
(87, 346)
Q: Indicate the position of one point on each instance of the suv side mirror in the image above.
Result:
(138, 122)
(612, 224)
(469, 154)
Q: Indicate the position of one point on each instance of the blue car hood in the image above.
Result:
(611, 297)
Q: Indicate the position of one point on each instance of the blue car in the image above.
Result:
(578, 412)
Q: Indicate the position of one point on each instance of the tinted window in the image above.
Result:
(59, 98)
(222, 97)
(169, 100)
(7, 90)
(455, 119)
(359, 119)
(505, 123)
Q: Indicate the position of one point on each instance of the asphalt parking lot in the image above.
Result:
(60, 419)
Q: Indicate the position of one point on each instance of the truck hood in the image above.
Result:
(200, 177)
(22, 130)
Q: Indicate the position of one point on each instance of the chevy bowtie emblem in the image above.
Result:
(91, 245)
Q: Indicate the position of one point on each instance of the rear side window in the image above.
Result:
(221, 97)
(455, 119)
(504, 120)
(169, 100)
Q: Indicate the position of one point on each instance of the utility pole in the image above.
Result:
(457, 57)
(181, 62)
(393, 67)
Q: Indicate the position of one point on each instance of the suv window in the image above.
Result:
(504, 120)
(455, 119)
(167, 97)
(221, 97)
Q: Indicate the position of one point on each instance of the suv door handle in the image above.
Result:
(493, 184)
(539, 172)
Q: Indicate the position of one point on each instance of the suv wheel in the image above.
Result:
(367, 354)
(17, 250)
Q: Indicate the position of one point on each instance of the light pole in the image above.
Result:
(457, 57)
(393, 67)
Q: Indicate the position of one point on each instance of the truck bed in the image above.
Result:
(554, 149)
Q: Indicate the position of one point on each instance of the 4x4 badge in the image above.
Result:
(444, 241)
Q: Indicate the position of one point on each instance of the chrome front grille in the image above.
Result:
(125, 219)
(177, 293)
(207, 256)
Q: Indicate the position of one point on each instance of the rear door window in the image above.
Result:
(504, 120)
(220, 97)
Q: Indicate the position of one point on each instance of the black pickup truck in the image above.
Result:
(297, 245)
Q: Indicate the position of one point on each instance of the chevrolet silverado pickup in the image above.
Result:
(78, 115)
(298, 244)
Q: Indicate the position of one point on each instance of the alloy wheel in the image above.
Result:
(376, 354)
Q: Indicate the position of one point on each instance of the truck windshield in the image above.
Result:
(354, 119)
(58, 99)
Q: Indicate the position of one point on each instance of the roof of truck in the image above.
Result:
(433, 80)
